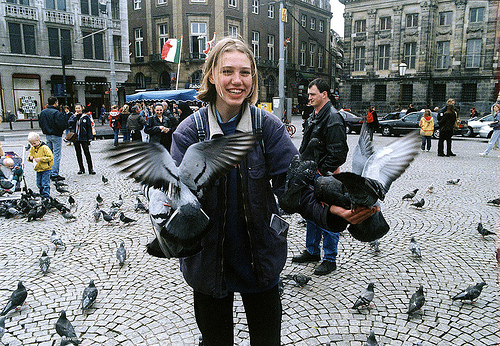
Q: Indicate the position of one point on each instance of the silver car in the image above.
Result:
(473, 126)
(485, 131)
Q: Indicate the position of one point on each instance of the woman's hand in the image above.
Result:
(354, 216)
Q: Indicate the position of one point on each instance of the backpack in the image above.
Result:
(369, 117)
(113, 123)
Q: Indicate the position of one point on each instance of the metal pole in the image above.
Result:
(113, 96)
(281, 64)
(64, 79)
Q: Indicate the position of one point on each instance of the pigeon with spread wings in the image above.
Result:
(203, 163)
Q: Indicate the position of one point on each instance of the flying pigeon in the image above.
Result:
(410, 195)
(371, 341)
(99, 199)
(203, 164)
(16, 300)
(453, 182)
(117, 204)
(65, 329)
(495, 202)
(415, 248)
(483, 231)
(470, 293)
(125, 219)
(71, 200)
(44, 262)
(121, 254)
(417, 300)
(366, 297)
(419, 204)
(56, 239)
(104, 179)
(89, 296)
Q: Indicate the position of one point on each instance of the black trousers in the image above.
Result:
(445, 136)
(214, 317)
(86, 151)
(136, 136)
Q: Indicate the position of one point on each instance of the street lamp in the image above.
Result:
(402, 71)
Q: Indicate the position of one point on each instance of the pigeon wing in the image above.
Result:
(363, 150)
(205, 162)
(388, 163)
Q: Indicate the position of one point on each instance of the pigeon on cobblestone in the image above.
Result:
(203, 164)
(415, 248)
(483, 231)
(495, 202)
(470, 293)
(117, 204)
(108, 218)
(56, 239)
(125, 219)
(2, 328)
(371, 341)
(104, 179)
(410, 195)
(89, 296)
(97, 213)
(16, 299)
(453, 182)
(419, 204)
(68, 216)
(375, 245)
(71, 200)
(99, 199)
(65, 329)
(121, 254)
(139, 206)
(417, 300)
(430, 189)
(44, 262)
(61, 189)
(300, 279)
(365, 297)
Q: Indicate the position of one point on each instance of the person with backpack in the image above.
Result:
(114, 122)
(372, 121)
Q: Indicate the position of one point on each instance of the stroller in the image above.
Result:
(18, 154)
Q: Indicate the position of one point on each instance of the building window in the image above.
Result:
(380, 92)
(439, 94)
(385, 23)
(476, 15)
(162, 34)
(383, 56)
(320, 58)
(270, 11)
(56, 5)
(90, 7)
(162, 2)
(232, 31)
(412, 20)
(359, 58)
(196, 77)
(312, 53)
(313, 23)
(115, 9)
(407, 93)
(321, 27)
(20, 2)
(469, 92)
(360, 26)
(198, 39)
(117, 47)
(93, 46)
(59, 42)
(255, 6)
(443, 55)
(303, 47)
(139, 40)
(140, 81)
(231, 3)
(445, 18)
(137, 4)
(356, 92)
(410, 54)
(270, 47)
(255, 43)
(22, 39)
(303, 20)
(473, 53)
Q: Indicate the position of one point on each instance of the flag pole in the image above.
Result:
(178, 68)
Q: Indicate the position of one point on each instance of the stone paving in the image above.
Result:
(147, 302)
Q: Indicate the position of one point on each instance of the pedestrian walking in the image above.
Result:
(102, 115)
(495, 137)
(372, 121)
(426, 125)
(41, 155)
(53, 123)
(81, 124)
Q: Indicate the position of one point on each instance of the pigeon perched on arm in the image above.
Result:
(44, 262)
(417, 300)
(203, 164)
(366, 297)
(89, 296)
(65, 329)
(121, 254)
(470, 293)
(371, 341)
(415, 248)
(410, 195)
(483, 231)
(16, 299)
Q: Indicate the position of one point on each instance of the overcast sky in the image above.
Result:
(338, 18)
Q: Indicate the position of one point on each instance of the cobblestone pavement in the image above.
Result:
(147, 302)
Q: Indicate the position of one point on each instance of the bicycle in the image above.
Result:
(290, 128)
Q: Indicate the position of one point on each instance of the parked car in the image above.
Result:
(410, 122)
(485, 131)
(352, 122)
(473, 126)
(393, 115)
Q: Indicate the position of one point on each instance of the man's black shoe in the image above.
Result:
(441, 155)
(92, 172)
(326, 267)
(451, 154)
(305, 257)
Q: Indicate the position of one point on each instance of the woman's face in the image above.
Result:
(78, 109)
(159, 111)
(232, 78)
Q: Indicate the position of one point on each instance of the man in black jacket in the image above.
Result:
(327, 125)
(53, 123)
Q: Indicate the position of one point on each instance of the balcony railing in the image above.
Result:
(266, 63)
(19, 11)
(196, 57)
(92, 22)
(58, 17)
